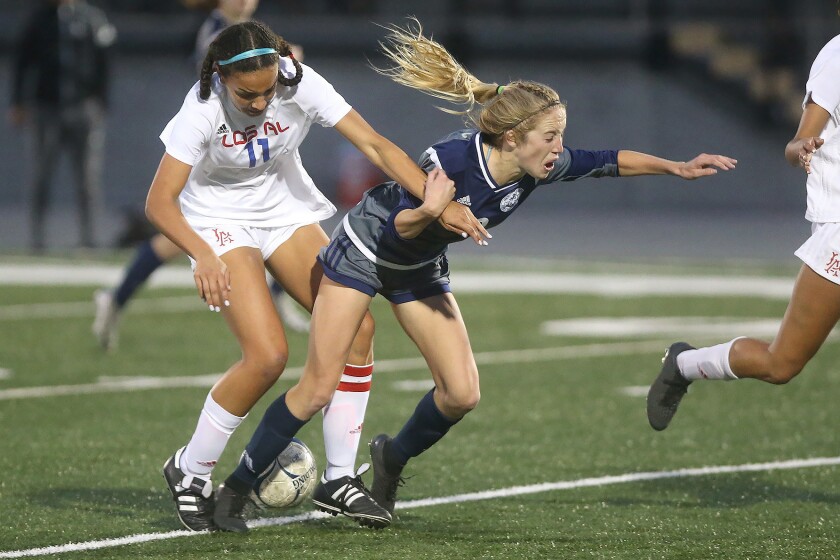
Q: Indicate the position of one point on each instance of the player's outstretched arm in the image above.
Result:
(632, 163)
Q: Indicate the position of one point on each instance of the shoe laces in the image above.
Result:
(394, 482)
(357, 480)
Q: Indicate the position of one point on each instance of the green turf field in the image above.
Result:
(83, 440)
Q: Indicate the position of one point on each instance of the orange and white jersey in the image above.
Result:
(823, 183)
(247, 170)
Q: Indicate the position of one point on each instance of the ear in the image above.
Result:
(216, 70)
(509, 138)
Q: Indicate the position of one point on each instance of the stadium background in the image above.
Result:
(670, 77)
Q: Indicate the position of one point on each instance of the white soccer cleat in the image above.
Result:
(106, 320)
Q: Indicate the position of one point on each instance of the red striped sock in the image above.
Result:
(343, 420)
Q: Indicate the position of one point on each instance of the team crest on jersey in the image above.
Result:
(511, 200)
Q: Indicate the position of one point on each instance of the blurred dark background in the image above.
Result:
(670, 77)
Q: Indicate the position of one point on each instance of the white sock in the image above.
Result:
(343, 421)
(707, 363)
(215, 426)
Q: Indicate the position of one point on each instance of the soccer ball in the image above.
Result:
(289, 480)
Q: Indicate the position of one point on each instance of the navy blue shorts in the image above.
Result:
(345, 264)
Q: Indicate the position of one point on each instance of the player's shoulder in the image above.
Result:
(452, 150)
(456, 140)
(830, 53)
(197, 109)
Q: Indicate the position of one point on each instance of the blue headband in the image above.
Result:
(247, 54)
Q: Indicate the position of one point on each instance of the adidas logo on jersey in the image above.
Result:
(223, 129)
(465, 200)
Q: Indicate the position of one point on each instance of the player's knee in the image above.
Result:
(269, 364)
(780, 374)
(459, 403)
(319, 398)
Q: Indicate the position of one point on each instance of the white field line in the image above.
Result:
(456, 499)
(617, 285)
(635, 390)
(116, 384)
(623, 327)
(63, 310)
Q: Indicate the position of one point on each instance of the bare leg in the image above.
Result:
(813, 311)
(295, 265)
(437, 328)
(254, 323)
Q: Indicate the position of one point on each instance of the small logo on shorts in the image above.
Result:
(222, 237)
(833, 265)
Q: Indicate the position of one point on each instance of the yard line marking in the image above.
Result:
(455, 499)
(115, 384)
(619, 479)
(623, 327)
(62, 310)
(611, 285)
(410, 385)
(635, 390)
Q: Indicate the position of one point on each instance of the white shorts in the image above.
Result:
(821, 252)
(225, 237)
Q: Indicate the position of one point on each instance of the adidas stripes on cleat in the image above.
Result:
(348, 496)
(193, 496)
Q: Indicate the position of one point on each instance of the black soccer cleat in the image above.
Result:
(230, 510)
(668, 388)
(349, 496)
(193, 496)
(385, 481)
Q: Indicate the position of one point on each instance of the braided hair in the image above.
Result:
(425, 65)
(239, 38)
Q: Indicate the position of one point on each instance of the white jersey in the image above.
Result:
(823, 183)
(247, 170)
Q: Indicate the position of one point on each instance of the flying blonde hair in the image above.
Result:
(425, 65)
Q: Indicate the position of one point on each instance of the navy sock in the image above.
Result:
(276, 429)
(425, 428)
(144, 264)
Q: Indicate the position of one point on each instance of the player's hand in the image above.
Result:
(458, 218)
(806, 149)
(704, 165)
(438, 193)
(212, 279)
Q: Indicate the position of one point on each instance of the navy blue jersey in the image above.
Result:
(370, 225)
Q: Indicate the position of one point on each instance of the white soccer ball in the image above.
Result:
(289, 480)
